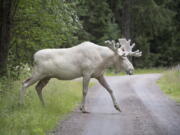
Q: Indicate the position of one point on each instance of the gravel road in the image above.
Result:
(145, 110)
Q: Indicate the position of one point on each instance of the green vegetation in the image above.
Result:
(61, 97)
(138, 71)
(149, 70)
(41, 24)
(31, 25)
(170, 84)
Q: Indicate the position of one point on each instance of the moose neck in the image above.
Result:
(110, 60)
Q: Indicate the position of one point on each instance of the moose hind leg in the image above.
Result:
(30, 81)
(41, 84)
(86, 80)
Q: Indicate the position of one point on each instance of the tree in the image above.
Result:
(40, 24)
(145, 21)
(7, 12)
(5, 21)
(98, 20)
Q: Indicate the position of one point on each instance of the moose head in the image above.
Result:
(122, 50)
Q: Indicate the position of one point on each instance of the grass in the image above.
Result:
(170, 84)
(138, 71)
(149, 71)
(61, 97)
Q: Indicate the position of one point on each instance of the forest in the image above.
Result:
(27, 26)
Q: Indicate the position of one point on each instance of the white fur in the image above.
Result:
(86, 60)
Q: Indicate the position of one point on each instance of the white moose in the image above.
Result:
(86, 60)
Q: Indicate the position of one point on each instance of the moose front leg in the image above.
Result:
(86, 80)
(103, 82)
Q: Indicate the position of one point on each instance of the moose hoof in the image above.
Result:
(117, 108)
(83, 110)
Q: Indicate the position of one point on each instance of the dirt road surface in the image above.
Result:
(145, 110)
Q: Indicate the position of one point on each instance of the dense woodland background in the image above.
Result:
(29, 25)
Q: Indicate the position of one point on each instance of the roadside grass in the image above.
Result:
(137, 71)
(61, 97)
(149, 70)
(170, 84)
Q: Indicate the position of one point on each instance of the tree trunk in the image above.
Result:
(5, 19)
(126, 19)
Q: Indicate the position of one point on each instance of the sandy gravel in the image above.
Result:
(145, 110)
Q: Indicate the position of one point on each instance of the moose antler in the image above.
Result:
(113, 45)
(127, 48)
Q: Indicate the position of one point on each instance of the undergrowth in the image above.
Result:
(61, 97)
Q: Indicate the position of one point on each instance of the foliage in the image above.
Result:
(97, 20)
(169, 83)
(42, 24)
(32, 118)
(154, 26)
(152, 30)
(138, 71)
